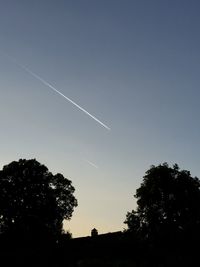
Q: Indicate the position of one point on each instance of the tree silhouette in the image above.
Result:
(168, 208)
(33, 201)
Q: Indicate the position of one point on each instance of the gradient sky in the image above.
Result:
(134, 64)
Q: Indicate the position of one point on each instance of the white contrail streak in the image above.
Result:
(58, 92)
(67, 98)
(91, 163)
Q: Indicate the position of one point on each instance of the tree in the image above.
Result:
(168, 205)
(33, 200)
(167, 217)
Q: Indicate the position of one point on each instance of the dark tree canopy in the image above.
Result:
(33, 199)
(168, 204)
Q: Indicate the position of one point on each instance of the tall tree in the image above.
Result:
(32, 199)
(168, 201)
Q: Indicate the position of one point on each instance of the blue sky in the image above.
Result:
(132, 64)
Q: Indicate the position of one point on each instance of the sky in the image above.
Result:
(134, 65)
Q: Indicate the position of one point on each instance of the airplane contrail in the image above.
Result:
(67, 98)
(91, 163)
(58, 92)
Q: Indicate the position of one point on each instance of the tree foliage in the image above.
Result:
(168, 204)
(33, 199)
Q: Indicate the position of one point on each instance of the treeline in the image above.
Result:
(163, 230)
